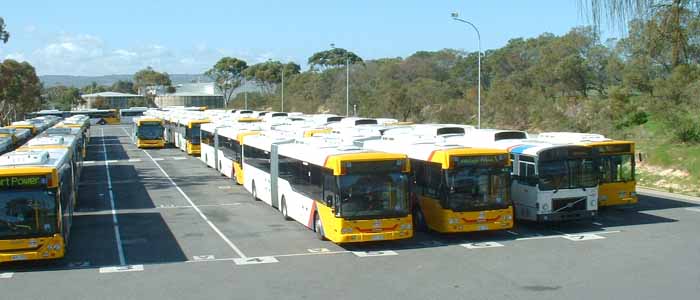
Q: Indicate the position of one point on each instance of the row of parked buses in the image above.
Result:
(38, 190)
(97, 116)
(360, 179)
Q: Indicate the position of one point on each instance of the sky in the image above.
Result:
(76, 37)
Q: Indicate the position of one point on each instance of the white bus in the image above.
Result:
(343, 193)
(127, 115)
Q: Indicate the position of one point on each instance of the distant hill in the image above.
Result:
(81, 81)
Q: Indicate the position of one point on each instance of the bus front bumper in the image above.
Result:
(32, 249)
(567, 216)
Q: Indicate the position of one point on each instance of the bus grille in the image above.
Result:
(568, 204)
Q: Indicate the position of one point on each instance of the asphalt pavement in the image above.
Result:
(169, 227)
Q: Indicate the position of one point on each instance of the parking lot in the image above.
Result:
(158, 223)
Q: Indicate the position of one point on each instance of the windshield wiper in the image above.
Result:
(14, 226)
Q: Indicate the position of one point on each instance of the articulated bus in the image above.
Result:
(148, 132)
(99, 116)
(456, 188)
(342, 192)
(37, 197)
(127, 115)
(551, 182)
(187, 134)
(617, 185)
(17, 136)
(230, 157)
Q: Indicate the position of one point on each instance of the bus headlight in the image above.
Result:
(593, 202)
(453, 221)
(545, 207)
(633, 194)
(346, 230)
(406, 226)
(506, 217)
(56, 247)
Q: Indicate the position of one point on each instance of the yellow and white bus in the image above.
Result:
(186, 134)
(455, 188)
(147, 132)
(60, 138)
(344, 193)
(617, 185)
(17, 136)
(221, 149)
(37, 197)
(99, 116)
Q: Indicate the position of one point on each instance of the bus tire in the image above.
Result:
(419, 220)
(318, 227)
(283, 209)
(101, 122)
(254, 192)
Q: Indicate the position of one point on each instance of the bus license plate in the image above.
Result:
(19, 257)
(483, 227)
(378, 237)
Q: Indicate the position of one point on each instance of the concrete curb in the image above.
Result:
(659, 193)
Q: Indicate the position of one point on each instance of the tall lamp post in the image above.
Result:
(282, 87)
(455, 16)
(347, 82)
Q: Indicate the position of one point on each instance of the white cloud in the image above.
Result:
(85, 54)
(16, 56)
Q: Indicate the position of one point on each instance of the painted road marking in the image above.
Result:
(374, 253)
(199, 211)
(597, 224)
(157, 158)
(255, 260)
(582, 237)
(111, 161)
(134, 160)
(179, 158)
(164, 206)
(695, 209)
(80, 264)
(203, 257)
(512, 232)
(482, 245)
(225, 187)
(6, 275)
(318, 250)
(89, 162)
(117, 235)
(119, 269)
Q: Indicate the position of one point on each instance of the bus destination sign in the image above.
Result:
(20, 182)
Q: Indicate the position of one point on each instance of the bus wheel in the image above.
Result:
(254, 192)
(283, 208)
(419, 220)
(102, 122)
(318, 227)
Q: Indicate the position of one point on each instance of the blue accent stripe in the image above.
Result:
(521, 149)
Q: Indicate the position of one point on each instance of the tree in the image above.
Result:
(62, 97)
(20, 89)
(332, 58)
(4, 35)
(123, 86)
(149, 77)
(672, 15)
(227, 74)
(269, 74)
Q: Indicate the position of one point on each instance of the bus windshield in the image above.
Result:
(27, 213)
(478, 188)
(567, 174)
(192, 134)
(373, 195)
(617, 168)
(150, 131)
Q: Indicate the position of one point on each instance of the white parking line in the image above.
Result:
(597, 224)
(6, 275)
(374, 253)
(134, 160)
(203, 205)
(119, 269)
(120, 250)
(179, 158)
(199, 211)
(512, 232)
(482, 245)
(695, 209)
(157, 158)
(255, 260)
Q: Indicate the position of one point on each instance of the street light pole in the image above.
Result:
(347, 82)
(282, 87)
(455, 16)
(245, 92)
